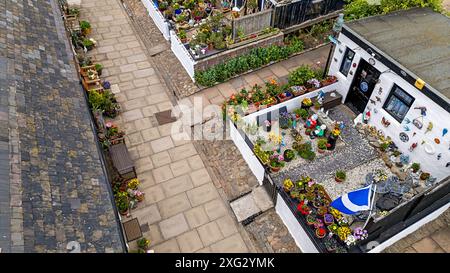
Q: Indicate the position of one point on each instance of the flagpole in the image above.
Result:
(371, 205)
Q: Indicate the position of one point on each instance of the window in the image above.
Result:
(398, 103)
(347, 61)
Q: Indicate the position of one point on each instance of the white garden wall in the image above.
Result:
(157, 17)
(302, 239)
(436, 114)
(182, 54)
(247, 153)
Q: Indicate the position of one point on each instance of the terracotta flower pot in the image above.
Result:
(338, 180)
(275, 169)
(321, 151)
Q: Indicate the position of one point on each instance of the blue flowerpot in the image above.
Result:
(178, 11)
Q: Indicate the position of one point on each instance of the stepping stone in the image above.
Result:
(164, 117)
(262, 199)
(245, 207)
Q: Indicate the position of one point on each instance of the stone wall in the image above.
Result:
(239, 51)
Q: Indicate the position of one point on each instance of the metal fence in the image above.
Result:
(295, 13)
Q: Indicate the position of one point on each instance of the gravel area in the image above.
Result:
(354, 153)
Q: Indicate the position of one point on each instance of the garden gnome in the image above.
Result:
(320, 97)
(311, 122)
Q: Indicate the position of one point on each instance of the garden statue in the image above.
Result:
(320, 97)
(311, 122)
(366, 117)
(320, 130)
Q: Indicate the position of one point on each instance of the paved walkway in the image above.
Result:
(52, 187)
(183, 209)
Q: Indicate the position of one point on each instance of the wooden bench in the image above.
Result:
(122, 161)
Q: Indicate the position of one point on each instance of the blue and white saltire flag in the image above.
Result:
(353, 202)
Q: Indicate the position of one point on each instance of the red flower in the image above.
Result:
(302, 208)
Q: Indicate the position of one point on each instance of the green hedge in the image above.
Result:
(256, 58)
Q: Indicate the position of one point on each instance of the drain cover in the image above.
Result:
(165, 117)
(132, 229)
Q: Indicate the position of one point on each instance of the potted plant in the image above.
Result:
(310, 219)
(415, 167)
(284, 96)
(328, 219)
(263, 156)
(276, 163)
(298, 90)
(183, 36)
(334, 134)
(162, 6)
(288, 185)
(317, 105)
(289, 155)
(306, 103)
(88, 44)
(313, 84)
(267, 125)
(295, 193)
(143, 243)
(340, 176)
(176, 8)
(328, 80)
(99, 68)
(303, 208)
(320, 232)
(424, 176)
(122, 203)
(85, 27)
(321, 211)
(322, 145)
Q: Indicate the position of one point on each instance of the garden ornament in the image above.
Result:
(413, 146)
(418, 123)
(444, 132)
(423, 110)
(429, 127)
(447, 165)
(439, 156)
(366, 116)
(437, 140)
(385, 122)
(372, 101)
(429, 149)
(404, 137)
(407, 121)
(311, 122)
(378, 98)
(404, 159)
(406, 128)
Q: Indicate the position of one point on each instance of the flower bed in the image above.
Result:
(326, 223)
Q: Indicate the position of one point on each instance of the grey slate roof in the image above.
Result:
(418, 39)
(53, 191)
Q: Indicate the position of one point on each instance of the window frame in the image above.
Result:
(392, 94)
(344, 58)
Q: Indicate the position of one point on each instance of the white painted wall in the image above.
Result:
(248, 155)
(295, 229)
(436, 114)
(182, 54)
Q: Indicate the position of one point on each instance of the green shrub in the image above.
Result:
(301, 75)
(256, 58)
(105, 102)
(322, 144)
(85, 25)
(341, 175)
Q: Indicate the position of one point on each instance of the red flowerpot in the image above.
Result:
(338, 180)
